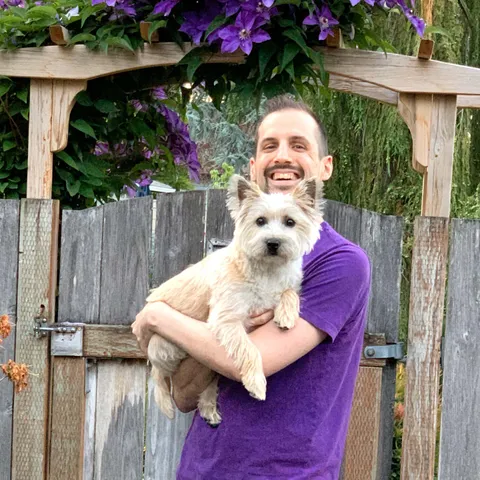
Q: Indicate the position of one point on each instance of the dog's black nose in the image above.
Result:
(273, 244)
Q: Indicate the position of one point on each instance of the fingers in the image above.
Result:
(257, 320)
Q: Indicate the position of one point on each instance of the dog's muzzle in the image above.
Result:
(273, 244)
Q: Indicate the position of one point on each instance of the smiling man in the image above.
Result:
(299, 432)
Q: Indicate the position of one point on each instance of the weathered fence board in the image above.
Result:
(381, 237)
(37, 279)
(9, 232)
(179, 241)
(429, 261)
(460, 426)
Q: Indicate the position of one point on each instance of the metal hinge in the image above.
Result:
(67, 338)
(214, 244)
(394, 350)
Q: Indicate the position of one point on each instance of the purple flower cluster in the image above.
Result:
(145, 180)
(179, 143)
(417, 22)
(4, 4)
(121, 8)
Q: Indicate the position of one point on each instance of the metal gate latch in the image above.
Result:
(394, 350)
(67, 338)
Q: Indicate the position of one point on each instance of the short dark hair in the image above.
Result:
(286, 102)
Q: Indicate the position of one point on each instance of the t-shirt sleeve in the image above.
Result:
(335, 287)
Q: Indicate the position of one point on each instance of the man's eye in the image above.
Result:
(269, 147)
(299, 146)
(261, 221)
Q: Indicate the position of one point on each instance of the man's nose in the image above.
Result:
(283, 154)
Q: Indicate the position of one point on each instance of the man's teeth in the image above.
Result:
(283, 176)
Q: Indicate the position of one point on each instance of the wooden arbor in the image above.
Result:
(427, 94)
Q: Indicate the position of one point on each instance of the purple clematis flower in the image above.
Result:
(243, 34)
(196, 23)
(101, 148)
(138, 105)
(324, 19)
(164, 7)
(158, 93)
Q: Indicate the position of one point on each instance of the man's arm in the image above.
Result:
(278, 348)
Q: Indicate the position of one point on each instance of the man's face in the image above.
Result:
(287, 152)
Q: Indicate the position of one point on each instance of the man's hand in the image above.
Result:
(143, 326)
(258, 319)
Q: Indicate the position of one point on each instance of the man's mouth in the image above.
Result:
(284, 176)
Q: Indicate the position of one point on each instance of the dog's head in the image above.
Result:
(276, 227)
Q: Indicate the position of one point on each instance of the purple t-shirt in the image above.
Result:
(299, 432)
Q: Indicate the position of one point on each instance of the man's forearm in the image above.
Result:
(196, 339)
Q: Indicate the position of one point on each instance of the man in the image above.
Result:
(299, 432)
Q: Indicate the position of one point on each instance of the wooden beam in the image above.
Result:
(144, 28)
(394, 72)
(468, 101)
(431, 120)
(427, 294)
(67, 418)
(59, 34)
(51, 102)
(38, 252)
(425, 50)
(336, 41)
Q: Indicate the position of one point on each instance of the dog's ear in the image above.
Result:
(240, 189)
(309, 194)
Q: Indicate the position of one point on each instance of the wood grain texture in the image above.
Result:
(36, 286)
(395, 72)
(64, 93)
(67, 418)
(80, 260)
(164, 441)
(120, 419)
(81, 63)
(460, 424)
(179, 242)
(9, 228)
(59, 34)
(110, 341)
(360, 460)
(90, 418)
(429, 260)
(127, 229)
(425, 50)
(381, 237)
(219, 222)
(468, 101)
(437, 183)
(40, 158)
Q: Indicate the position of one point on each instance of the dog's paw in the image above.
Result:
(212, 417)
(283, 320)
(256, 386)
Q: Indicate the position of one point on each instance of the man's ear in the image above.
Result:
(240, 189)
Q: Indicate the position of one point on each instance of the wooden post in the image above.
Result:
(51, 102)
(431, 120)
(37, 280)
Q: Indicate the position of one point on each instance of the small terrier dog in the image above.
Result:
(261, 269)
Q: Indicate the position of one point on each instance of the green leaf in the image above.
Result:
(65, 157)
(285, 22)
(91, 170)
(5, 84)
(141, 129)
(86, 191)
(105, 106)
(8, 145)
(154, 26)
(83, 98)
(42, 12)
(84, 127)
(4, 175)
(95, 181)
(73, 187)
(193, 60)
(120, 42)
(265, 53)
(433, 29)
(81, 37)
(65, 175)
(217, 22)
(23, 95)
(288, 2)
(25, 112)
(289, 53)
(3, 186)
(296, 35)
(290, 68)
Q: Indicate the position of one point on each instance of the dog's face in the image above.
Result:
(275, 227)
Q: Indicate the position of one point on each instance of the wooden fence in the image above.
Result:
(102, 423)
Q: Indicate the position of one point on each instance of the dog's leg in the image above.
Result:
(287, 310)
(229, 331)
(207, 404)
(162, 393)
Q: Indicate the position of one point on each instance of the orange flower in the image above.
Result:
(5, 327)
(17, 373)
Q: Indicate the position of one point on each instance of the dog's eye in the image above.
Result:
(261, 221)
(290, 222)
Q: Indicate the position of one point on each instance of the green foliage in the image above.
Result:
(221, 179)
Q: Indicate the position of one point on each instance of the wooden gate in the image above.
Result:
(101, 422)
